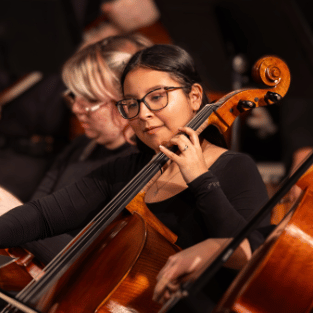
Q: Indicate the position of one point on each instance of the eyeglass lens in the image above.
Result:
(155, 100)
(70, 99)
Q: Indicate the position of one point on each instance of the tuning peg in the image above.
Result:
(272, 97)
(245, 105)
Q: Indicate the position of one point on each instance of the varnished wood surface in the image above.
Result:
(22, 269)
(279, 277)
(118, 271)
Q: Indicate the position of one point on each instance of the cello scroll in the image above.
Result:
(269, 70)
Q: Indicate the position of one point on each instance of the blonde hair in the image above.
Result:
(94, 71)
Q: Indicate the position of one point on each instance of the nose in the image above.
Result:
(77, 108)
(144, 111)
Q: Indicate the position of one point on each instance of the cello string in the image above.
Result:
(151, 168)
(137, 179)
(49, 266)
(100, 220)
(120, 198)
(16, 304)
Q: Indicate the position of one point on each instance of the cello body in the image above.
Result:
(20, 271)
(117, 273)
(278, 279)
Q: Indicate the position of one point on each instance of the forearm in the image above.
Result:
(190, 263)
(209, 249)
(20, 225)
(240, 256)
(65, 210)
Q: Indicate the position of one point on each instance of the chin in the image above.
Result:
(91, 135)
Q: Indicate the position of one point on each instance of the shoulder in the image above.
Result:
(236, 166)
(239, 177)
(134, 160)
(232, 158)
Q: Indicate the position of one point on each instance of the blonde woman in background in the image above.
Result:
(92, 77)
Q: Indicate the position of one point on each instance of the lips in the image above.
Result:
(152, 129)
(84, 124)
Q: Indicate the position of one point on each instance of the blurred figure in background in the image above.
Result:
(37, 125)
(33, 129)
(92, 76)
(123, 17)
(36, 37)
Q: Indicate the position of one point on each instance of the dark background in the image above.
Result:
(42, 34)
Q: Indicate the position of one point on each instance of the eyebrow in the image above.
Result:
(147, 91)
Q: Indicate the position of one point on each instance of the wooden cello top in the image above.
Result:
(279, 276)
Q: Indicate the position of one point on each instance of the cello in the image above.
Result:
(278, 277)
(47, 295)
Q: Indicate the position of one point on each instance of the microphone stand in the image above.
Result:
(200, 282)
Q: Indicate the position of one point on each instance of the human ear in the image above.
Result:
(195, 96)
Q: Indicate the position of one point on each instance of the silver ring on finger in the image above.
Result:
(186, 147)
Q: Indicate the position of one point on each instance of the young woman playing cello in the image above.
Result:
(207, 192)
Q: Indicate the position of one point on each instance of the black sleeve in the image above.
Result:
(69, 208)
(227, 199)
(47, 184)
(64, 210)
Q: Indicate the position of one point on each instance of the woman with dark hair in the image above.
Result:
(179, 64)
(170, 59)
(206, 191)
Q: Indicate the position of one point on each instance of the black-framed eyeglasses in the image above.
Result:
(154, 100)
(70, 99)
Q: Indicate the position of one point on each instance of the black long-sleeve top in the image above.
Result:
(216, 204)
